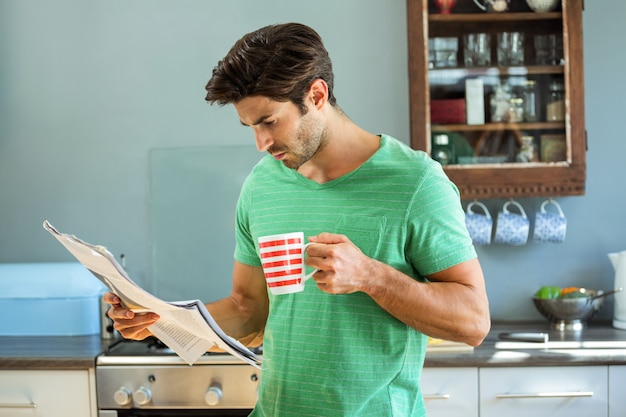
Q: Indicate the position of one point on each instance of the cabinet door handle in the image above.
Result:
(16, 405)
(557, 394)
(436, 396)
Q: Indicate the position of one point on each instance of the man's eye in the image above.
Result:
(268, 122)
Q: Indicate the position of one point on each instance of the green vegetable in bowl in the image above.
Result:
(548, 292)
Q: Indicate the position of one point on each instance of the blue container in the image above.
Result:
(49, 299)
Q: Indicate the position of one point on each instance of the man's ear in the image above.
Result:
(319, 93)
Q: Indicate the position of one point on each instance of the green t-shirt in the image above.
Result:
(343, 355)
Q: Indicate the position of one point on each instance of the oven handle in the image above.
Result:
(18, 405)
(137, 412)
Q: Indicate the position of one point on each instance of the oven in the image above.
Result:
(146, 379)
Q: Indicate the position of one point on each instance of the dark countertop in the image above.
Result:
(50, 352)
(487, 355)
(79, 352)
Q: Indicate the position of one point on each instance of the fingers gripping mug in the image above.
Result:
(512, 228)
(282, 257)
(549, 226)
(479, 225)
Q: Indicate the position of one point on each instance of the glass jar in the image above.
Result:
(529, 94)
(555, 107)
(516, 110)
(499, 103)
(526, 151)
(443, 151)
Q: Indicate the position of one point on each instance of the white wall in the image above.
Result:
(89, 87)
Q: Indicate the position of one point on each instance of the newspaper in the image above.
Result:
(186, 327)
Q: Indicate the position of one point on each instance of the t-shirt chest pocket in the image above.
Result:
(365, 232)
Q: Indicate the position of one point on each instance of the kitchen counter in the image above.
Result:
(79, 352)
(531, 354)
(50, 352)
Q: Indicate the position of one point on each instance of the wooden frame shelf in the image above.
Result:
(510, 179)
(498, 127)
(489, 17)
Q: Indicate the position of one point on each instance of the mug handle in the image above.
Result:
(479, 204)
(309, 275)
(551, 201)
(516, 204)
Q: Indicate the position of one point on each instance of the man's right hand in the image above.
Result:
(129, 324)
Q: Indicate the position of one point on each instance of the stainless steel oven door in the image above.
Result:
(168, 387)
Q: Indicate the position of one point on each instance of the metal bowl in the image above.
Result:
(570, 313)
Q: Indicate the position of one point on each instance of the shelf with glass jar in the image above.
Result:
(527, 87)
(499, 164)
(506, 120)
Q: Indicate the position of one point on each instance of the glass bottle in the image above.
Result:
(516, 110)
(555, 108)
(529, 94)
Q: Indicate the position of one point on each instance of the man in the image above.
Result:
(389, 240)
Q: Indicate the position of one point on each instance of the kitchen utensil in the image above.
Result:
(571, 313)
(445, 51)
(283, 262)
(445, 6)
(525, 337)
(607, 293)
(512, 228)
(479, 225)
(550, 226)
(542, 6)
(548, 49)
(510, 48)
(493, 5)
(477, 49)
(618, 259)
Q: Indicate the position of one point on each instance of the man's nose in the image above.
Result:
(263, 141)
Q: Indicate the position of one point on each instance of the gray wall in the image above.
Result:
(88, 89)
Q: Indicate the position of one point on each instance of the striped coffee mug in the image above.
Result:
(282, 257)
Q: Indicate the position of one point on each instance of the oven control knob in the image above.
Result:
(213, 395)
(122, 396)
(142, 396)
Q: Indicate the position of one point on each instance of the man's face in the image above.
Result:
(282, 130)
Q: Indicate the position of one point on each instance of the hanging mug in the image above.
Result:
(512, 228)
(479, 225)
(550, 226)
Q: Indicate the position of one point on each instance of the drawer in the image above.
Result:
(544, 391)
(617, 399)
(450, 391)
(46, 393)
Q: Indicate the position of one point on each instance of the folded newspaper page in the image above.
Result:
(186, 327)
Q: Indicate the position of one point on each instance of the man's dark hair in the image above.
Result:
(278, 61)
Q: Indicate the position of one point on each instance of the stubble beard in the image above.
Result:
(310, 140)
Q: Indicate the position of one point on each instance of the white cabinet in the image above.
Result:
(450, 391)
(49, 393)
(617, 394)
(568, 391)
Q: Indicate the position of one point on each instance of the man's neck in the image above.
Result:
(348, 147)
